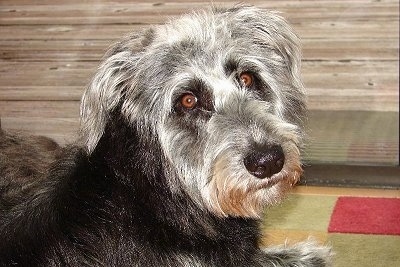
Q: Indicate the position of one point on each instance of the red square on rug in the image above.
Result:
(363, 215)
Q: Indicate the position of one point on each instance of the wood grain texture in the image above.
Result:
(50, 49)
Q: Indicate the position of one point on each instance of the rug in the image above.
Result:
(362, 215)
(368, 243)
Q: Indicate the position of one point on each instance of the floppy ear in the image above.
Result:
(107, 88)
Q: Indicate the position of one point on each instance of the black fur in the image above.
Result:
(115, 208)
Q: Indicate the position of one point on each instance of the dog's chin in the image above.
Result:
(240, 194)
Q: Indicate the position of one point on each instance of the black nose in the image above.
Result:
(265, 163)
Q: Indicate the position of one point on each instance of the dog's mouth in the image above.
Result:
(285, 175)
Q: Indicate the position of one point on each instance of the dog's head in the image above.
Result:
(221, 93)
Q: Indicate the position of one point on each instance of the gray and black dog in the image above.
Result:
(188, 131)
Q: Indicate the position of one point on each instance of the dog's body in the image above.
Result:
(188, 131)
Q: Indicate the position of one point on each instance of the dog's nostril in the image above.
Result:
(265, 163)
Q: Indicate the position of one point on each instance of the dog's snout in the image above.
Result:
(265, 163)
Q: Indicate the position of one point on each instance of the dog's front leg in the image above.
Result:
(304, 254)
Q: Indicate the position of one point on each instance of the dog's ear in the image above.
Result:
(107, 89)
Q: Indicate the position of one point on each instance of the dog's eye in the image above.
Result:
(188, 101)
(246, 79)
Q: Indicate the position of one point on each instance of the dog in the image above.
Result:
(188, 131)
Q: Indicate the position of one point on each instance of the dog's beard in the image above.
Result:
(232, 191)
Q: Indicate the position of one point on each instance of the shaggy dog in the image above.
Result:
(188, 131)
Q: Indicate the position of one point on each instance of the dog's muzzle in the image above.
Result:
(265, 163)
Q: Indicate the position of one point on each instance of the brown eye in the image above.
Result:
(247, 79)
(188, 101)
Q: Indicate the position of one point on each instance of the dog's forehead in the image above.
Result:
(212, 39)
(200, 27)
(204, 35)
(203, 44)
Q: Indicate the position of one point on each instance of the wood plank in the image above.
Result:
(349, 81)
(366, 102)
(314, 30)
(20, 74)
(93, 50)
(156, 12)
(351, 49)
(358, 67)
(53, 50)
(66, 32)
(42, 93)
(39, 109)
